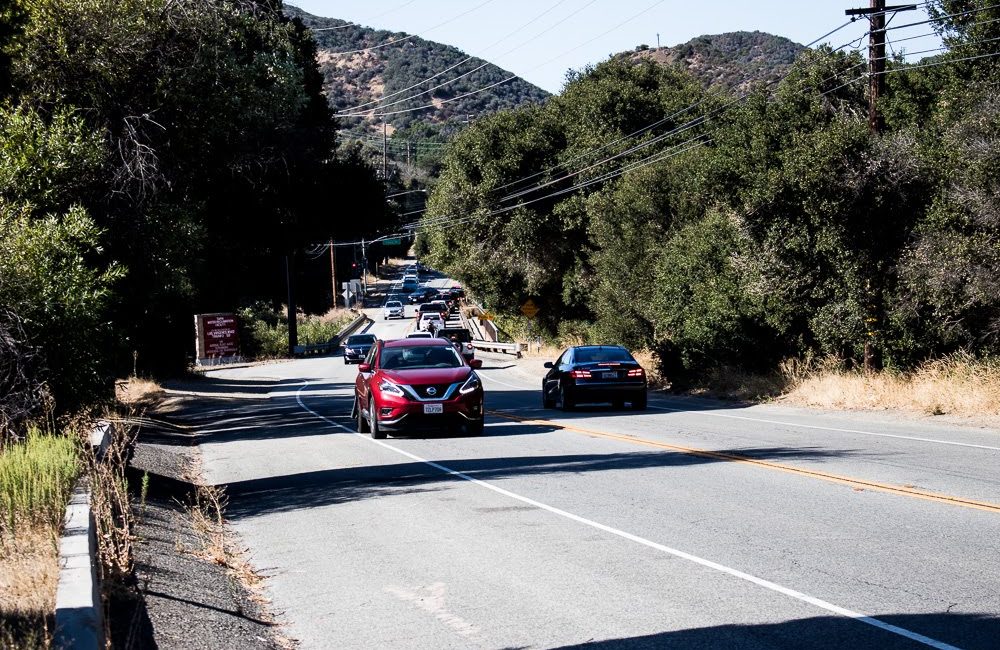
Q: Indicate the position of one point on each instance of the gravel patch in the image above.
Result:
(187, 595)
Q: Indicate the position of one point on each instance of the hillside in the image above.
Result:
(353, 79)
(729, 60)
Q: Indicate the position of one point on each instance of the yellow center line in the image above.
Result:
(734, 458)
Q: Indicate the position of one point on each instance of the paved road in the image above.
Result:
(690, 525)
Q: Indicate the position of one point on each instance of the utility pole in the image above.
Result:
(293, 325)
(876, 13)
(385, 146)
(333, 272)
(407, 153)
(876, 66)
(364, 270)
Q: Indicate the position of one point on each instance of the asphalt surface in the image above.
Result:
(692, 524)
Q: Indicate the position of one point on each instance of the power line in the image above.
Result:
(448, 69)
(372, 113)
(694, 143)
(718, 110)
(556, 58)
(411, 36)
(384, 13)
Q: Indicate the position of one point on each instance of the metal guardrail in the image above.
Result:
(333, 344)
(507, 348)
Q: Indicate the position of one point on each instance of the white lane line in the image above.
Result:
(821, 428)
(736, 573)
(502, 383)
(796, 424)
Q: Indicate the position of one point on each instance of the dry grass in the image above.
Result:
(956, 385)
(335, 315)
(112, 507)
(217, 546)
(137, 394)
(36, 476)
(29, 575)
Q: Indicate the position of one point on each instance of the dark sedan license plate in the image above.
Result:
(608, 375)
(433, 409)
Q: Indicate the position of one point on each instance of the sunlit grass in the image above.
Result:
(956, 385)
(36, 478)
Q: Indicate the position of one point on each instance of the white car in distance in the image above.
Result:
(429, 320)
(393, 309)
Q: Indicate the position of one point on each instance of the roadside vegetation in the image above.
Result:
(748, 233)
(264, 331)
(134, 194)
(36, 478)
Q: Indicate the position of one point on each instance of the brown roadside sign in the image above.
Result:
(529, 308)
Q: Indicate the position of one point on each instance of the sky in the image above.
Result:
(540, 40)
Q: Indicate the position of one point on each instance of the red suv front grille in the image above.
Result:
(439, 390)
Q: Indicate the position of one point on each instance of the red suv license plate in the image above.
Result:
(433, 409)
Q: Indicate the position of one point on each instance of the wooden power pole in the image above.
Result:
(333, 272)
(876, 13)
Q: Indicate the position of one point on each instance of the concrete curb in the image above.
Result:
(79, 613)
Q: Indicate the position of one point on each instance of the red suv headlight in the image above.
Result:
(391, 388)
(471, 384)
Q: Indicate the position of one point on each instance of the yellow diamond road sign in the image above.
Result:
(529, 308)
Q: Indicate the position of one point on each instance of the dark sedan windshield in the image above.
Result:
(361, 339)
(598, 354)
(420, 357)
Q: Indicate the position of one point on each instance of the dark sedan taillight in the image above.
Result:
(579, 374)
(637, 372)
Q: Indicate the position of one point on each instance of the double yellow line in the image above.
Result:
(861, 484)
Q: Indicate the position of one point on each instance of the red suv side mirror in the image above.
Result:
(364, 367)
(476, 364)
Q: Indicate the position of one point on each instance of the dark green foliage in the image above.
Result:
(195, 137)
(60, 298)
(785, 229)
(12, 21)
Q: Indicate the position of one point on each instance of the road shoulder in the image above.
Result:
(193, 588)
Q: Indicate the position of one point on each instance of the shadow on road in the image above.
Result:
(820, 633)
(325, 487)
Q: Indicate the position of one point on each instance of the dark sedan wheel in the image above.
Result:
(377, 433)
(547, 402)
(566, 401)
(362, 422)
(639, 403)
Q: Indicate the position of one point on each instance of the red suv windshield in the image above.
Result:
(411, 358)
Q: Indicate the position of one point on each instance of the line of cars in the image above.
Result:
(428, 380)
(425, 383)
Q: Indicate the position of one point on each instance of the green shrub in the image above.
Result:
(264, 331)
(36, 477)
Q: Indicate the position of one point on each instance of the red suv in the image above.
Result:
(414, 384)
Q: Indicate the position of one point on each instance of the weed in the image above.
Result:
(36, 477)
(144, 491)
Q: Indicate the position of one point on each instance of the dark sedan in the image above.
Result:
(422, 295)
(594, 373)
(356, 348)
